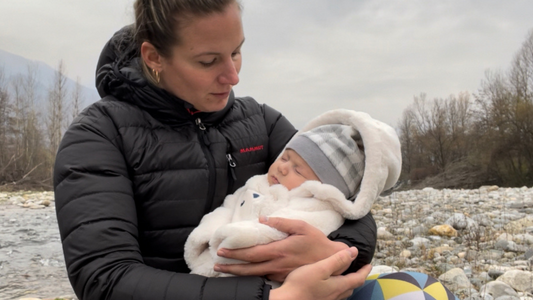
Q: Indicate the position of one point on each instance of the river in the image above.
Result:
(31, 259)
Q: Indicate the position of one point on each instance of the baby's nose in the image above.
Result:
(283, 167)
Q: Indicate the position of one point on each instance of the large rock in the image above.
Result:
(384, 234)
(508, 246)
(497, 289)
(455, 279)
(523, 239)
(442, 249)
(419, 242)
(460, 221)
(521, 281)
(520, 225)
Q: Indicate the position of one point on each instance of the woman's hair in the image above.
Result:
(156, 21)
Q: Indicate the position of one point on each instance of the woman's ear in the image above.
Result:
(151, 57)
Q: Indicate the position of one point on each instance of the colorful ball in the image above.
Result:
(402, 286)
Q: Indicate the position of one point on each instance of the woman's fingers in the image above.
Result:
(337, 262)
(304, 245)
(358, 278)
(316, 281)
(288, 226)
(255, 254)
(256, 269)
(274, 250)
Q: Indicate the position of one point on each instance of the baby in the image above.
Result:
(333, 169)
(332, 154)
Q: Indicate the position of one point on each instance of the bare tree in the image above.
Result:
(56, 108)
(430, 129)
(26, 153)
(521, 73)
(5, 123)
(77, 100)
(21, 135)
(32, 136)
(434, 135)
(506, 118)
(521, 83)
(17, 127)
(407, 141)
(459, 115)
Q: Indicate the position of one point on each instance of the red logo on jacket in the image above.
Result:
(251, 149)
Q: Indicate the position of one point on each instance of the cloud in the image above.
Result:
(373, 55)
(303, 57)
(74, 31)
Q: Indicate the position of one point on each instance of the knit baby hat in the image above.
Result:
(335, 152)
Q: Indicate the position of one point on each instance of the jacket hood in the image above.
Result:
(383, 160)
(119, 74)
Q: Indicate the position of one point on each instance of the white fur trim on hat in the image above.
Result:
(383, 159)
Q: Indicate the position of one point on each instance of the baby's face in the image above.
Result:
(290, 170)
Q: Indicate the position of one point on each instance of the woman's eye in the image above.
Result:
(234, 54)
(208, 63)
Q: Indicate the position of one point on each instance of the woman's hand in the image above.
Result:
(304, 245)
(315, 281)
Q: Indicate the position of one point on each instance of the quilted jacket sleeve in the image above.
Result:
(97, 221)
(362, 234)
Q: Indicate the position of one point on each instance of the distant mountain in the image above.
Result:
(15, 65)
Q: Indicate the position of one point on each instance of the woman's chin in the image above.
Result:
(216, 106)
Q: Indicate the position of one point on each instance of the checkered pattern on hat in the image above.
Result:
(343, 146)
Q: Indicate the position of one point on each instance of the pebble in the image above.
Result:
(478, 242)
(443, 230)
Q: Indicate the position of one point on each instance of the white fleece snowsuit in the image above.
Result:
(235, 224)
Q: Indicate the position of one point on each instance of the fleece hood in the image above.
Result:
(383, 160)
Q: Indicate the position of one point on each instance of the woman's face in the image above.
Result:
(205, 66)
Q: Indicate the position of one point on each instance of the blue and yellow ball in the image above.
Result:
(402, 286)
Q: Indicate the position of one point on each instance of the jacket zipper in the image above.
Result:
(205, 143)
(231, 176)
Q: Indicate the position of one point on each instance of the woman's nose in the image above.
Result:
(230, 73)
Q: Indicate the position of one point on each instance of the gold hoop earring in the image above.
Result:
(156, 76)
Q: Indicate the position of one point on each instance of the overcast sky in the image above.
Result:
(304, 57)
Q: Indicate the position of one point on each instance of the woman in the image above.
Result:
(136, 171)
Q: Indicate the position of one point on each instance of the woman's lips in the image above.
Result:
(221, 95)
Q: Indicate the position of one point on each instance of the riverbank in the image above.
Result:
(478, 242)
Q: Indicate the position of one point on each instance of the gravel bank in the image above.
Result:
(478, 242)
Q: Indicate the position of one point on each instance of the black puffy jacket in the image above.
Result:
(137, 170)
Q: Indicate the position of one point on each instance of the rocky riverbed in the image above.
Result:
(478, 242)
